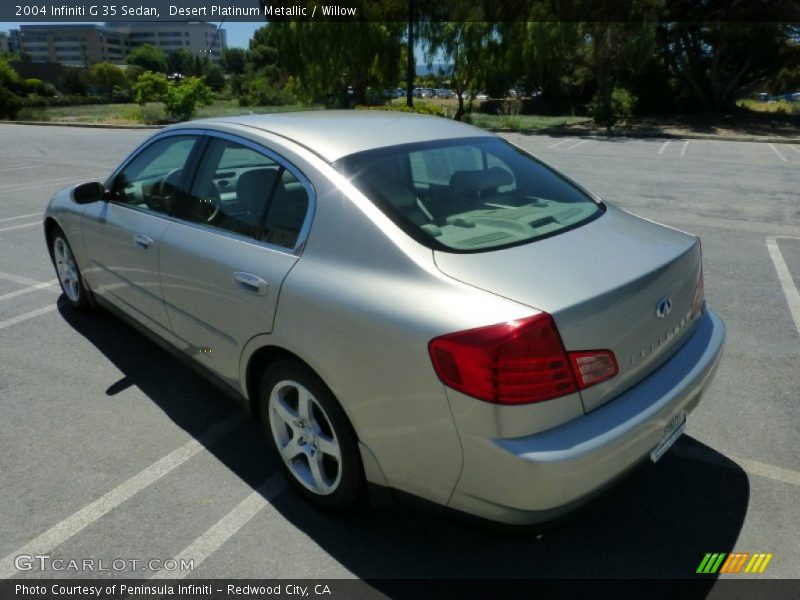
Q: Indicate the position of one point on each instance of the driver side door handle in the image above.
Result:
(142, 241)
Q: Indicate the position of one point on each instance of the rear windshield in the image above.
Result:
(470, 194)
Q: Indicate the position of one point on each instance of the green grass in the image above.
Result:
(128, 114)
(524, 122)
(781, 106)
(133, 114)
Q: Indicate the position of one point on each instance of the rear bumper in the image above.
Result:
(539, 477)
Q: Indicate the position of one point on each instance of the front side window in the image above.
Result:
(151, 179)
(469, 194)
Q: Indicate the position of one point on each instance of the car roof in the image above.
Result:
(332, 134)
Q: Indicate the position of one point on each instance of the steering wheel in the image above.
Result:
(163, 192)
(210, 205)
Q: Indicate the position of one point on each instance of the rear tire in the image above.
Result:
(69, 275)
(310, 436)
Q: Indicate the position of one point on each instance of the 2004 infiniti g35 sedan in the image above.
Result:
(403, 301)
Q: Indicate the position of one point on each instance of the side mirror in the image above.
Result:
(86, 193)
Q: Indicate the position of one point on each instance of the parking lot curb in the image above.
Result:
(84, 125)
(594, 134)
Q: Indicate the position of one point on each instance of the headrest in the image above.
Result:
(253, 186)
(470, 183)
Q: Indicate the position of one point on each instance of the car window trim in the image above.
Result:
(198, 133)
(285, 165)
(193, 163)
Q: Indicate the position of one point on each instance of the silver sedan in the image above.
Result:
(404, 302)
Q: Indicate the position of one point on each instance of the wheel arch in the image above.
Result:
(50, 228)
(262, 358)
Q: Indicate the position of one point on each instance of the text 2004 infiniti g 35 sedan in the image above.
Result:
(404, 301)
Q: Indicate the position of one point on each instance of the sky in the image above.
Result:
(239, 33)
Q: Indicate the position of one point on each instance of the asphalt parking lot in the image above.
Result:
(110, 448)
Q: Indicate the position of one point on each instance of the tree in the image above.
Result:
(106, 77)
(73, 80)
(10, 103)
(215, 77)
(181, 61)
(182, 99)
(149, 58)
(8, 76)
(718, 61)
(150, 87)
(326, 59)
(234, 60)
(468, 45)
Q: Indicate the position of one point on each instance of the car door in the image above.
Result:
(237, 235)
(122, 234)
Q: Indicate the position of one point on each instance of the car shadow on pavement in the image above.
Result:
(658, 523)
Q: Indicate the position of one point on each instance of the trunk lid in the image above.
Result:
(603, 284)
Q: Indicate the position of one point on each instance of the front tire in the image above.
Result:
(310, 436)
(69, 275)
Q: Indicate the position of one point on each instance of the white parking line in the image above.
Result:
(21, 226)
(775, 150)
(581, 143)
(51, 183)
(61, 532)
(21, 217)
(9, 185)
(795, 148)
(26, 316)
(18, 167)
(29, 289)
(785, 277)
(685, 146)
(219, 533)
(20, 279)
(562, 142)
(664, 146)
(751, 467)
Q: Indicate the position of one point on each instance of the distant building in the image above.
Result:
(202, 39)
(84, 45)
(4, 43)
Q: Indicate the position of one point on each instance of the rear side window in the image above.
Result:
(242, 190)
(469, 195)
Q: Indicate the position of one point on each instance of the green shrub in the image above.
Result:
(623, 102)
(34, 86)
(33, 114)
(150, 87)
(182, 99)
(261, 91)
(422, 108)
(10, 104)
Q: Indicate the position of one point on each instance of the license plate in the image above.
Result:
(672, 431)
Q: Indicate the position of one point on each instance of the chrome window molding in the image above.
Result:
(297, 250)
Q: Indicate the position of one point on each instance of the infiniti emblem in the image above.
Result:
(663, 307)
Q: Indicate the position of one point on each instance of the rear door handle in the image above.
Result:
(142, 241)
(251, 283)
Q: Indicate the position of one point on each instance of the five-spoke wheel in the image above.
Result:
(69, 275)
(304, 437)
(311, 435)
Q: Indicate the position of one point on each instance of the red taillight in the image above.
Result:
(518, 362)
